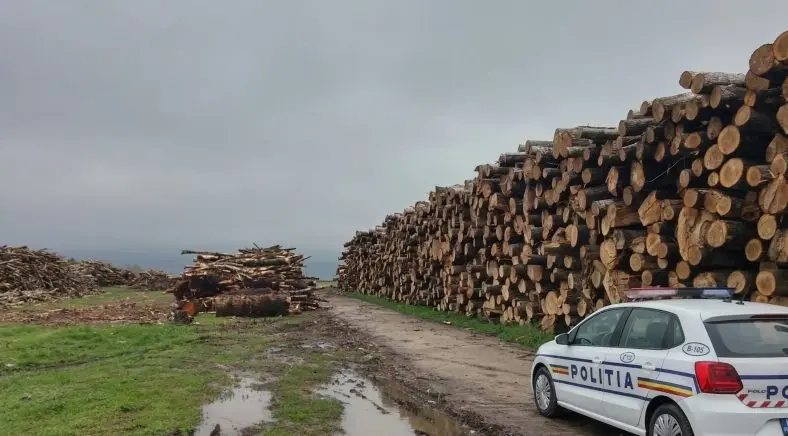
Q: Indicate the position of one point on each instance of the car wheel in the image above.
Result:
(544, 394)
(669, 420)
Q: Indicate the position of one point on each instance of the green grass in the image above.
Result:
(528, 336)
(108, 295)
(136, 380)
(149, 380)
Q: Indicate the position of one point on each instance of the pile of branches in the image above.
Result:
(152, 280)
(688, 190)
(252, 282)
(104, 273)
(28, 275)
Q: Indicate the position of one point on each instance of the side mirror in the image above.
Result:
(562, 339)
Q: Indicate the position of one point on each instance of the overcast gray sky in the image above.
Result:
(156, 125)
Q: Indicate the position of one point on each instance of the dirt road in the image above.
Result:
(472, 372)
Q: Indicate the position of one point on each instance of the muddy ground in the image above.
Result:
(394, 371)
(474, 379)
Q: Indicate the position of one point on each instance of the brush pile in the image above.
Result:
(105, 274)
(39, 275)
(152, 280)
(252, 282)
(688, 190)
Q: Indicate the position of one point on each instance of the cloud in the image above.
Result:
(158, 125)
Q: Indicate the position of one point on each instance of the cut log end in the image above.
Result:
(753, 251)
(767, 226)
(729, 139)
(762, 60)
(780, 48)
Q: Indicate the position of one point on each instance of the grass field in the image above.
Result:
(152, 379)
(527, 336)
(108, 295)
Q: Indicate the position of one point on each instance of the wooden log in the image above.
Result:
(732, 234)
(705, 82)
(640, 262)
(773, 198)
(771, 280)
(733, 172)
(588, 195)
(778, 247)
(654, 278)
(748, 117)
(780, 48)
(708, 279)
(685, 79)
(758, 175)
(777, 147)
(767, 226)
(741, 281)
(763, 62)
(782, 117)
(661, 106)
(729, 97)
(634, 126)
(755, 250)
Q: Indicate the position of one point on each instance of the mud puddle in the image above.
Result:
(370, 410)
(243, 407)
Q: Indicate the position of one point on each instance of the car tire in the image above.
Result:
(668, 417)
(544, 394)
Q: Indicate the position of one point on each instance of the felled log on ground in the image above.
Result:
(251, 305)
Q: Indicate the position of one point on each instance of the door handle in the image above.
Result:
(596, 360)
(648, 366)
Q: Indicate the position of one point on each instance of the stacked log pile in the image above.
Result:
(252, 282)
(688, 190)
(39, 275)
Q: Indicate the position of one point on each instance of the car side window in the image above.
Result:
(676, 334)
(649, 329)
(599, 330)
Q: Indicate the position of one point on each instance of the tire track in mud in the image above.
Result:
(471, 372)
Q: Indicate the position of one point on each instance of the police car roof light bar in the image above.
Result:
(660, 292)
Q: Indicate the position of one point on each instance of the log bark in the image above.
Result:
(705, 82)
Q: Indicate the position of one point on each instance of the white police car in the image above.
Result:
(700, 365)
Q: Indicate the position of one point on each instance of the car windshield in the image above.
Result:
(751, 337)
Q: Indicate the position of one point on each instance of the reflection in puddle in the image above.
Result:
(242, 407)
(367, 412)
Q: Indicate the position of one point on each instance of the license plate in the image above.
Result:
(784, 426)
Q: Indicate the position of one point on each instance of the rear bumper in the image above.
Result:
(724, 415)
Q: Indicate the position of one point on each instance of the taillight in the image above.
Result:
(717, 378)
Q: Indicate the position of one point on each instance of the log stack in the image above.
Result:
(39, 275)
(252, 282)
(687, 190)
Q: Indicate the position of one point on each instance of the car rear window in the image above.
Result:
(751, 337)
